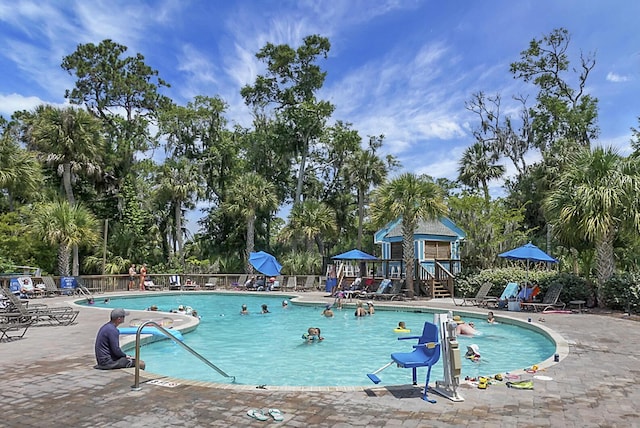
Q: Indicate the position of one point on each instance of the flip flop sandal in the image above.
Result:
(276, 415)
(257, 414)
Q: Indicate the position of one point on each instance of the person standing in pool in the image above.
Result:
(107, 347)
(327, 311)
(265, 309)
(360, 311)
(244, 310)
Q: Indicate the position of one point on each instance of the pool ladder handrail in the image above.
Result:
(136, 385)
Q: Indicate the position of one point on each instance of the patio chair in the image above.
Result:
(292, 283)
(550, 301)
(385, 284)
(240, 282)
(150, 285)
(510, 292)
(189, 284)
(481, 298)
(309, 283)
(211, 283)
(27, 289)
(174, 282)
(40, 314)
(51, 289)
(393, 293)
(12, 322)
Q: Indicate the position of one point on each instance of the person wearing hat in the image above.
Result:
(463, 328)
(107, 348)
(473, 352)
(327, 311)
(370, 308)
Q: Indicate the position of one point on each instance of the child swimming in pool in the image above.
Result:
(312, 335)
(490, 318)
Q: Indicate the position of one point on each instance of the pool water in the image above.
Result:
(267, 349)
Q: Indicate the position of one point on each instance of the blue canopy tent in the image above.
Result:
(528, 252)
(355, 255)
(265, 263)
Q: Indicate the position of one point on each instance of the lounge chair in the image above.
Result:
(211, 283)
(41, 314)
(27, 289)
(292, 283)
(309, 283)
(150, 285)
(385, 285)
(51, 289)
(480, 299)
(12, 322)
(392, 293)
(426, 353)
(510, 292)
(190, 285)
(174, 282)
(550, 301)
(240, 283)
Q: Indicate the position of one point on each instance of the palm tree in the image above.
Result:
(363, 170)
(412, 198)
(595, 198)
(249, 194)
(69, 140)
(477, 167)
(65, 225)
(179, 184)
(20, 171)
(311, 220)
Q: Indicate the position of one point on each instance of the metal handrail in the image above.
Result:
(136, 385)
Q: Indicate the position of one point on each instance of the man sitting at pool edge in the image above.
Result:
(107, 348)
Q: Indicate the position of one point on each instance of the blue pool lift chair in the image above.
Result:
(426, 353)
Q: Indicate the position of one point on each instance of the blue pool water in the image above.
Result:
(268, 349)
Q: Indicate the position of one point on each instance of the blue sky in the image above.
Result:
(402, 68)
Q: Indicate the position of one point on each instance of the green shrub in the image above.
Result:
(622, 292)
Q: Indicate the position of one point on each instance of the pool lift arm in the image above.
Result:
(451, 361)
(136, 385)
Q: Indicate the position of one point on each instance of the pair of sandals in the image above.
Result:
(259, 414)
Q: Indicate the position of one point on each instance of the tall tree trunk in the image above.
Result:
(63, 260)
(178, 216)
(251, 237)
(360, 217)
(605, 263)
(68, 189)
(301, 171)
(408, 255)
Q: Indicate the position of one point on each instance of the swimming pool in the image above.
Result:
(267, 349)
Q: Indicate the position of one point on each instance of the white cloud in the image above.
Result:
(616, 78)
(10, 103)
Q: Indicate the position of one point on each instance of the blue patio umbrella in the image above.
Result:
(355, 255)
(528, 252)
(265, 263)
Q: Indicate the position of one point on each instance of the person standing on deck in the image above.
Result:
(132, 276)
(143, 275)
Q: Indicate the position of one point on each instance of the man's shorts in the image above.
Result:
(122, 363)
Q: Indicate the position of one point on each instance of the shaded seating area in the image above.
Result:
(550, 301)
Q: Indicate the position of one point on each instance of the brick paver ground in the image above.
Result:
(48, 380)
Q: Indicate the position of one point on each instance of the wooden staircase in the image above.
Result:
(438, 284)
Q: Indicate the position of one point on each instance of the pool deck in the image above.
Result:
(48, 380)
